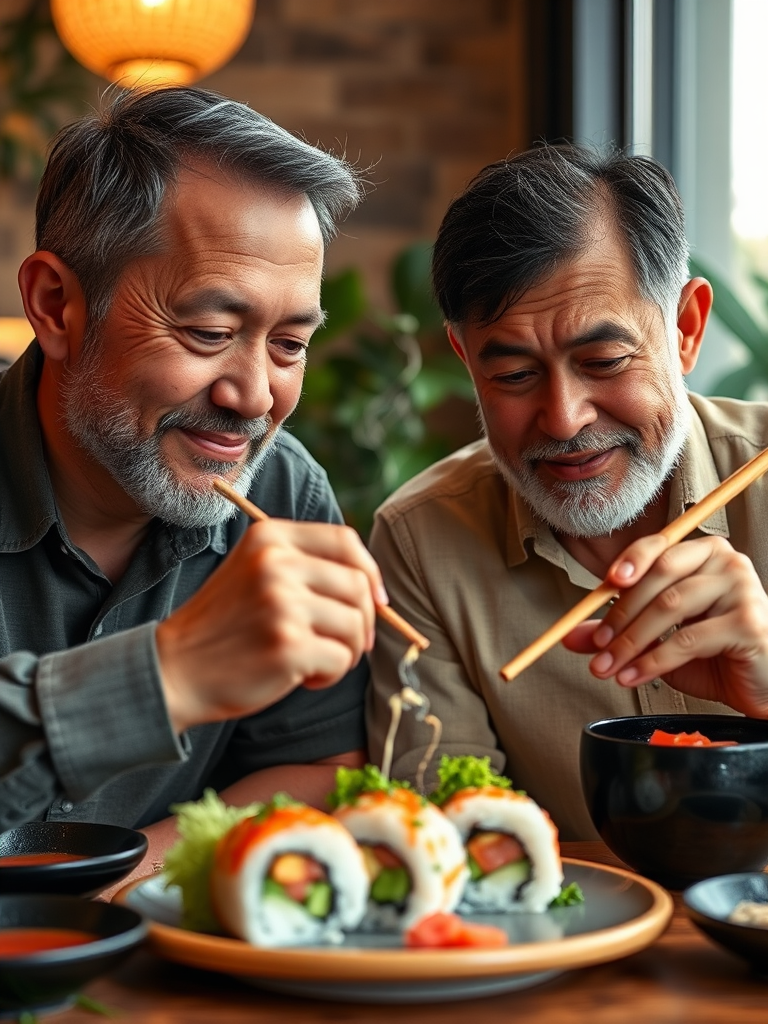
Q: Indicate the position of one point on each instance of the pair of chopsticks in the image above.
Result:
(384, 611)
(673, 533)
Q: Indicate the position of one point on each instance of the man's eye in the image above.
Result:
(290, 347)
(516, 377)
(606, 365)
(210, 337)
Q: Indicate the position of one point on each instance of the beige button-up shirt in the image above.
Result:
(467, 563)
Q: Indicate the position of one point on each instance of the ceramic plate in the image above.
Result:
(621, 914)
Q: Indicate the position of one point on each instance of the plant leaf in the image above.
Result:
(737, 383)
(412, 286)
(435, 383)
(735, 316)
(760, 280)
(343, 299)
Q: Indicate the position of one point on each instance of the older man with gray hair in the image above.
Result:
(152, 641)
(563, 277)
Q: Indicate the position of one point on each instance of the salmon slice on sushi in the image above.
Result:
(512, 846)
(290, 875)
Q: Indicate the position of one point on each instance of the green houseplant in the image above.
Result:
(740, 322)
(41, 88)
(373, 380)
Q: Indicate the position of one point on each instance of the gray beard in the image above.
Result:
(593, 508)
(107, 428)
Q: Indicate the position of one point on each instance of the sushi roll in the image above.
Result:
(413, 854)
(512, 846)
(290, 875)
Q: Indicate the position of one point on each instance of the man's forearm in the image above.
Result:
(310, 783)
(73, 720)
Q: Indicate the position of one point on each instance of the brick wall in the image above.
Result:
(424, 91)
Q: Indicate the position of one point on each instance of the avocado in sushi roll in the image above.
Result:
(276, 874)
(512, 845)
(413, 854)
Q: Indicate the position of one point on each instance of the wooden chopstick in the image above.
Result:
(384, 611)
(673, 532)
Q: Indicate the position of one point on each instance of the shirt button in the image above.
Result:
(64, 548)
(67, 806)
(657, 684)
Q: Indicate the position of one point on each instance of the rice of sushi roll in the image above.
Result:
(512, 845)
(414, 855)
(290, 875)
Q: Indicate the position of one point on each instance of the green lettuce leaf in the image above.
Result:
(278, 801)
(201, 823)
(569, 896)
(352, 782)
(457, 773)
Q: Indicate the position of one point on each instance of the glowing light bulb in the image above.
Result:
(153, 42)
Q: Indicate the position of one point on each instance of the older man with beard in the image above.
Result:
(153, 642)
(562, 275)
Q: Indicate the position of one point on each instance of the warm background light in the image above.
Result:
(153, 42)
(15, 334)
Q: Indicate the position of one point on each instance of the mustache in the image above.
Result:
(585, 440)
(223, 421)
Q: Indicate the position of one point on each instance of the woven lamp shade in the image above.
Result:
(152, 42)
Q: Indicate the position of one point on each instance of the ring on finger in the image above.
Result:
(669, 632)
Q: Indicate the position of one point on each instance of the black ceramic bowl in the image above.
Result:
(45, 981)
(679, 814)
(109, 853)
(709, 905)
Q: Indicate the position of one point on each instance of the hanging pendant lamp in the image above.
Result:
(152, 42)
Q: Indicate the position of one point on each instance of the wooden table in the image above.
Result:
(682, 978)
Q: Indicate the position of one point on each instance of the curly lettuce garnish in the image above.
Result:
(457, 773)
(569, 896)
(277, 803)
(201, 823)
(352, 782)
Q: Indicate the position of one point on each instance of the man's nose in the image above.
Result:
(243, 384)
(566, 407)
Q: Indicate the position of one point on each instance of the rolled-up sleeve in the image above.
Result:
(72, 720)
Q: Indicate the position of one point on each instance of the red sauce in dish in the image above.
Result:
(659, 738)
(28, 860)
(17, 942)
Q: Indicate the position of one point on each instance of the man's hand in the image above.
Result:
(708, 603)
(292, 605)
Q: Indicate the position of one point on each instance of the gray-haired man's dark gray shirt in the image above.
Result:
(84, 731)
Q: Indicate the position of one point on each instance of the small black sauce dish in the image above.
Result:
(109, 853)
(679, 814)
(42, 982)
(710, 903)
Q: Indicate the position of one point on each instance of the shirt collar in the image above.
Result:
(695, 477)
(26, 495)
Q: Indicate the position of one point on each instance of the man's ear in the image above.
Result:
(693, 313)
(54, 304)
(456, 344)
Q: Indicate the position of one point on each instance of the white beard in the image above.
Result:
(594, 508)
(107, 427)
